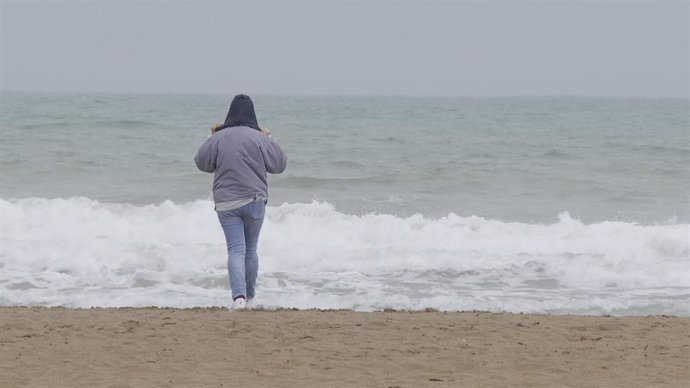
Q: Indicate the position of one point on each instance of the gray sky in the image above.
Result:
(393, 48)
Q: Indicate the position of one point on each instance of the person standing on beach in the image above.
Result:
(239, 153)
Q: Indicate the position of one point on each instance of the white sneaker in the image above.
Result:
(250, 303)
(239, 304)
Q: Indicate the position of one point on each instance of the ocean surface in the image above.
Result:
(548, 205)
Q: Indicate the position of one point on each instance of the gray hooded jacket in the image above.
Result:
(239, 157)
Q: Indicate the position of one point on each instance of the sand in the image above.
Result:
(152, 347)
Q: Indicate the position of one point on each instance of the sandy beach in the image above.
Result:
(150, 347)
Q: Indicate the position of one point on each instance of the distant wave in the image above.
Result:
(558, 154)
(655, 149)
(313, 182)
(109, 124)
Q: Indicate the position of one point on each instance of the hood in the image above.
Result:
(241, 113)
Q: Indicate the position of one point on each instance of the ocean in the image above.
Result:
(522, 204)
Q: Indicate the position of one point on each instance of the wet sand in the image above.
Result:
(152, 347)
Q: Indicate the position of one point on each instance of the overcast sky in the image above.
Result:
(393, 48)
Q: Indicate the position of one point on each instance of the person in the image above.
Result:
(239, 153)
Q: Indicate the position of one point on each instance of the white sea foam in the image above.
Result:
(79, 253)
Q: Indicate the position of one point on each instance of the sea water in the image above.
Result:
(522, 204)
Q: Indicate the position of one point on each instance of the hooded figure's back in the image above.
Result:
(240, 155)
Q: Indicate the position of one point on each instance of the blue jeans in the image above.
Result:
(241, 227)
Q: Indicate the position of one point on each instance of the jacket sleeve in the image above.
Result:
(274, 157)
(205, 158)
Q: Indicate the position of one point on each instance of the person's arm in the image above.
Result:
(274, 157)
(205, 158)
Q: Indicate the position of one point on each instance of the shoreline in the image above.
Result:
(387, 310)
(216, 347)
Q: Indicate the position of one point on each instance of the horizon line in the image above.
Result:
(331, 95)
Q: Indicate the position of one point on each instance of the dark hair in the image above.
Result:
(241, 114)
